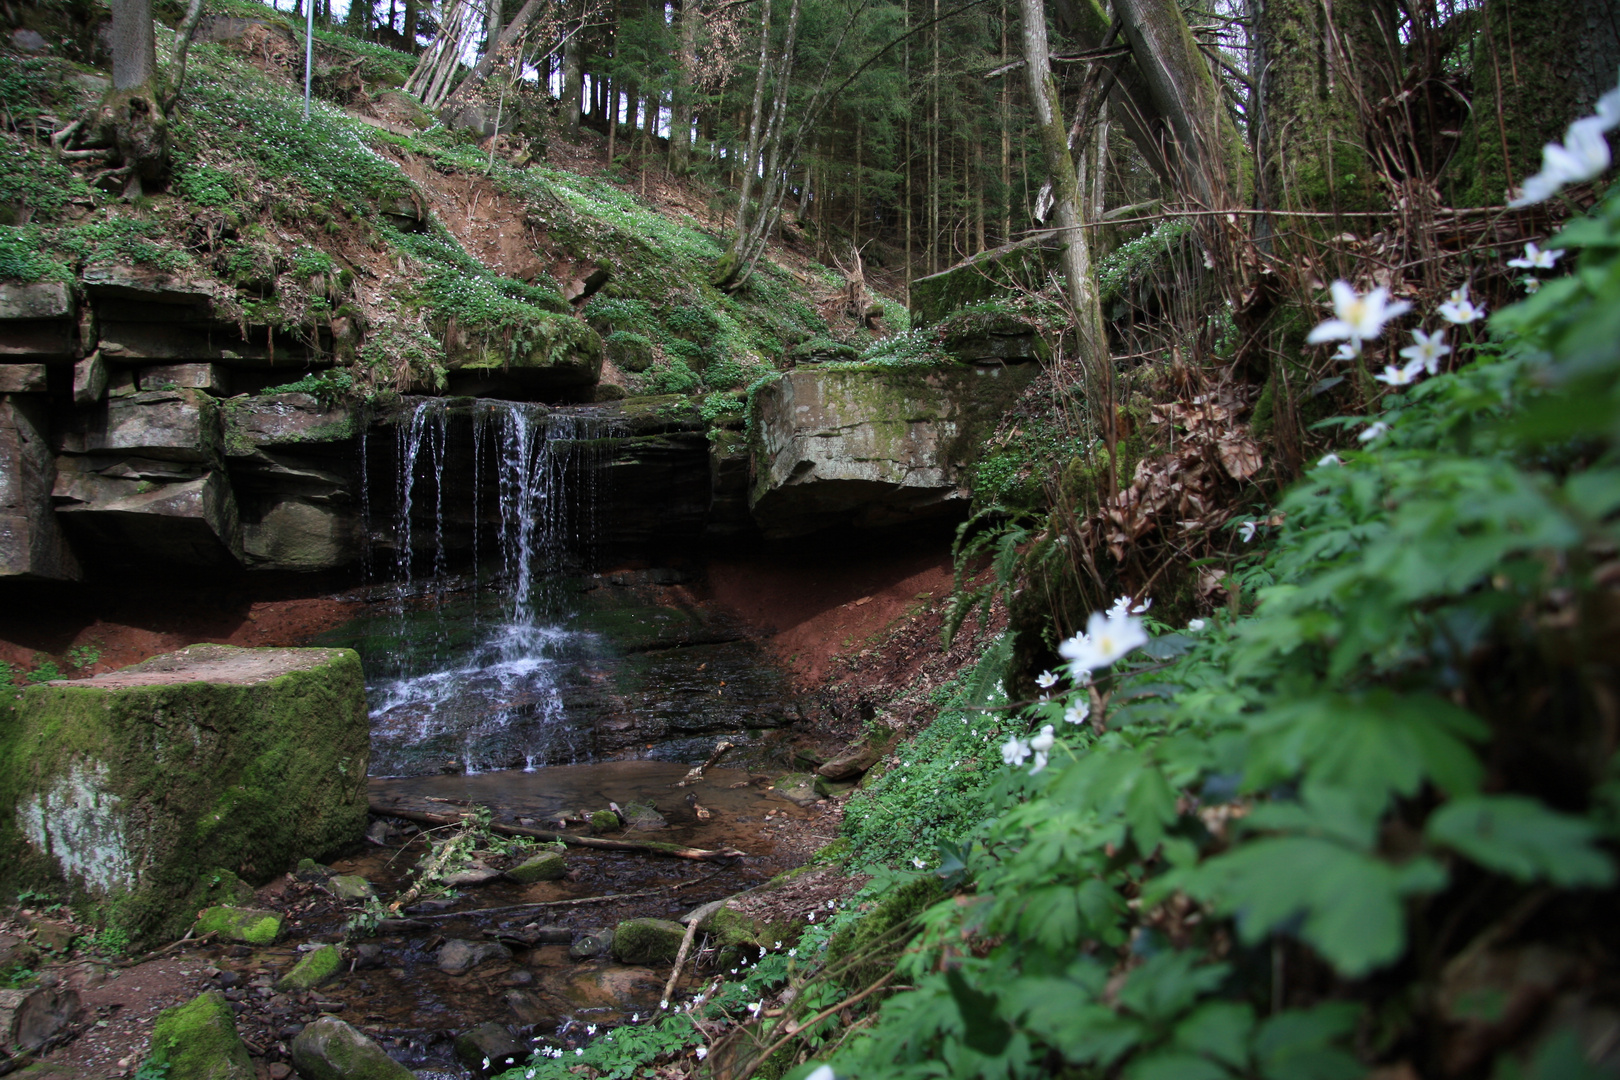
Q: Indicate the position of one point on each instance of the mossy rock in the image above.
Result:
(547, 866)
(639, 817)
(648, 942)
(329, 1049)
(605, 821)
(630, 351)
(872, 943)
(799, 788)
(1014, 268)
(241, 924)
(351, 887)
(198, 1041)
(823, 351)
(130, 788)
(315, 968)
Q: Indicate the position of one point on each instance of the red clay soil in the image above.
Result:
(123, 630)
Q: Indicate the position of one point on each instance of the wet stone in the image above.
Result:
(489, 1048)
(547, 866)
(591, 944)
(329, 1049)
(350, 887)
(647, 941)
(458, 957)
(474, 873)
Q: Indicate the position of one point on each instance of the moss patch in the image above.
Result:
(241, 924)
(314, 969)
(865, 952)
(548, 866)
(198, 1041)
(649, 942)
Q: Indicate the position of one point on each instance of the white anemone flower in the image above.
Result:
(702, 1052)
(1195, 625)
(1582, 155)
(1357, 317)
(1347, 350)
(919, 864)
(1046, 680)
(1042, 745)
(1460, 310)
(1124, 606)
(1536, 259)
(1107, 638)
(1374, 430)
(1532, 285)
(1078, 712)
(756, 1006)
(1330, 459)
(1401, 376)
(1246, 531)
(1015, 750)
(822, 1072)
(1428, 350)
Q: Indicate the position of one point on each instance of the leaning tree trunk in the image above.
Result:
(463, 94)
(131, 118)
(573, 83)
(729, 270)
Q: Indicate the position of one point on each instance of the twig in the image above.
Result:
(795, 1029)
(567, 903)
(686, 943)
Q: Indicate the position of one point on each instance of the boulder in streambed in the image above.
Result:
(591, 945)
(652, 942)
(456, 957)
(317, 967)
(329, 1049)
(490, 1048)
(198, 1041)
(130, 788)
(639, 817)
(606, 821)
(472, 873)
(247, 925)
(350, 887)
(547, 866)
(797, 788)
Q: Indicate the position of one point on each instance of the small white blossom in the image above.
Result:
(1014, 751)
(590, 1029)
(664, 1004)
(1107, 638)
(1046, 680)
(1195, 625)
(1583, 155)
(822, 1072)
(778, 945)
(1401, 376)
(1374, 430)
(1428, 350)
(1536, 259)
(1123, 606)
(756, 1006)
(1347, 350)
(1356, 317)
(919, 864)
(1077, 712)
(795, 950)
(578, 1052)
(1531, 285)
(1246, 531)
(486, 1063)
(1461, 310)
(1042, 745)
(830, 905)
(1330, 459)
(702, 1052)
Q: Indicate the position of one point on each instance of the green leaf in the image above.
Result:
(1299, 1044)
(985, 1031)
(1149, 807)
(1350, 900)
(1522, 838)
(1174, 1065)
(1220, 1030)
(1165, 986)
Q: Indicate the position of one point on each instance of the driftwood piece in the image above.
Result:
(696, 772)
(645, 847)
(32, 1017)
(686, 942)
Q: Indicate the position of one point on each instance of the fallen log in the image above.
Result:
(649, 847)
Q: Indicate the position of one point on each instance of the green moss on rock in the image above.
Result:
(605, 821)
(547, 866)
(198, 1041)
(241, 924)
(329, 1049)
(130, 788)
(315, 968)
(864, 952)
(650, 942)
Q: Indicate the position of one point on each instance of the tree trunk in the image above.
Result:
(131, 117)
(1054, 137)
(1210, 153)
(492, 23)
(134, 48)
(486, 63)
(730, 266)
(572, 77)
(680, 106)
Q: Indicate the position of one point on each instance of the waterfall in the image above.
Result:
(470, 676)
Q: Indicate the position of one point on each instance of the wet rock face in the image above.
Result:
(139, 783)
(650, 942)
(871, 448)
(329, 1049)
(457, 957)
(31, 541)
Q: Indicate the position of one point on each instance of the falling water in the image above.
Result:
(472, 677)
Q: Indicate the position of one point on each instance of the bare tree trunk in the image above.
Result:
(573, 76)
(730, 265)
(492, 23)
(1054, 136)
(132, 118)
(680, 106)
(1006, 137)
(486, 63)
(134, 48)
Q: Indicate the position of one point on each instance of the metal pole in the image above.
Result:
(309, 51)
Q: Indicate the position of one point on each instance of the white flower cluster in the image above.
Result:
(1583, 155)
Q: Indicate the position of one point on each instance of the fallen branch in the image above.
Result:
(431, 871)
(647, 847)
(696, 773)
(686, 943)
(509, 908)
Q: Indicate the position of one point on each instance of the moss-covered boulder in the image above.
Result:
(129, 788)
(653, 942)
(546, 866)
(605, 821)
(798, 788)
(1015, 267)
(351, 887)
(198, 1041)
(534, 354)
(329, 1049)
(870, 448)
(241, 924)
(317, 967)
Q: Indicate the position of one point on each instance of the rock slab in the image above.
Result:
(653, 942)
(247, 925)
(139, 783)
